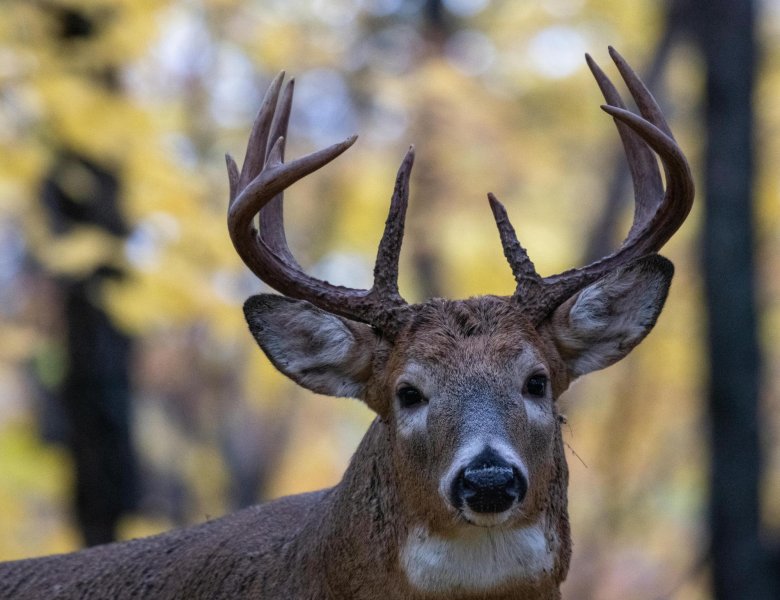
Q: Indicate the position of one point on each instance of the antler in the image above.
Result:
(258, 190)
(657, 214)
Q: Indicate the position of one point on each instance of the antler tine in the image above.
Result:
(678, 198)
(271, 218)
(272, 180)
(523, 269)
(233, 176)
(646, 179)
(256, 148)
(658, 213)
(647, 105)
(389, 252)
(258, 190)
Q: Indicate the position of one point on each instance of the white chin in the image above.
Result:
(485, 519)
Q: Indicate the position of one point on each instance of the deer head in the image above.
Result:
(466, 389)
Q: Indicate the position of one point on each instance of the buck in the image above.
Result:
(459, 487)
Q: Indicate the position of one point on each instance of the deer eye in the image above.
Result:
(409, 396)
(536, 385)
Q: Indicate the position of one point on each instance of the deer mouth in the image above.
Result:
(485, 520)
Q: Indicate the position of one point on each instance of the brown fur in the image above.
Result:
(336, 543)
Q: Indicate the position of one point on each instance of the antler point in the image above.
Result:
(496, 207)
(277, 80)
(616, 56)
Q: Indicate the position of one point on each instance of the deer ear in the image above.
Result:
(603, 322)
(320, 351)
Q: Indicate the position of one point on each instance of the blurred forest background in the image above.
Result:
(132, 398)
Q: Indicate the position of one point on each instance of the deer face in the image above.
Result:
(470, 404)
(467, 388)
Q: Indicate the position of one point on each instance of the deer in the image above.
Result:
(458, 489)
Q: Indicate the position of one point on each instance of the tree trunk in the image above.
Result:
(96, 393)
(741, 565)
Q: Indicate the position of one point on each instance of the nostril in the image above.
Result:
(489, 488)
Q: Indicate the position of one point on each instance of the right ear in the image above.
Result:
(318, 350)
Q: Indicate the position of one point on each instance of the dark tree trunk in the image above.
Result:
(77, 192)
(96, 399)
(95, 394)
(741, 565)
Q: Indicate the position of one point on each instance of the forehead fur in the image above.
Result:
(447, 324)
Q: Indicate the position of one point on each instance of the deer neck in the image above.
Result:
(370, 541)
(357, 537)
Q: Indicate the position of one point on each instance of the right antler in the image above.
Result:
(258, 190)
(657, 214)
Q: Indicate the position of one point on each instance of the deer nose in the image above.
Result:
(489, 484)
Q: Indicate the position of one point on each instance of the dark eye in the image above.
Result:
(409, 396)
(536, 385)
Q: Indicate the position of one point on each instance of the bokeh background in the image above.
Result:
(132, 398)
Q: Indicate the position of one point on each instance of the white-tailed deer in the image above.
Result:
(458, 489)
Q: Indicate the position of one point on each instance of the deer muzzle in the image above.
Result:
(488, 484)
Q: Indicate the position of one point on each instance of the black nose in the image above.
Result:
(489, 484)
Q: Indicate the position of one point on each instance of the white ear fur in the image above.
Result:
(603, 322)
(320, 351)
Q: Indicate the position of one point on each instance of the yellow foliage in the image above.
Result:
(35, 480)
(89, 119)
(536, 139)
(21, 169)
(80, 252)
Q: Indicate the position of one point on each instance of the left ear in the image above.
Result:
(603, 322)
